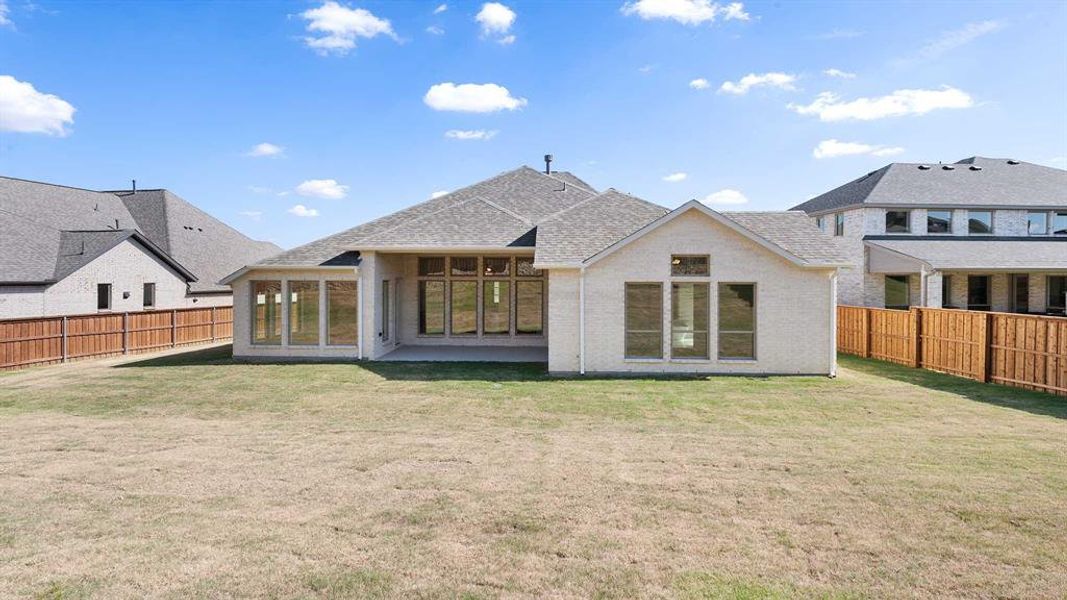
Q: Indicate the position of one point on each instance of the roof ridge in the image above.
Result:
(69, 187)
(506, 211)
(556, 214)
(579, 186)
(417, 219)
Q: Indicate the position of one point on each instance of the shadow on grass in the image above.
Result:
(1038, 403)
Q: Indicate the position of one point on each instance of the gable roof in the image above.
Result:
(48, 231)
(974, 181)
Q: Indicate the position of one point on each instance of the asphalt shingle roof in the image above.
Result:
(793, 232)
(974, 181)
(972, 254)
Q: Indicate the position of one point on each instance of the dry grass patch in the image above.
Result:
(192, 476)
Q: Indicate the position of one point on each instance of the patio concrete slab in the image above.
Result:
(467, 354)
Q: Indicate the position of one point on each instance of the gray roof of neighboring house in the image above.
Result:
(972, 254)
(48, 231)
(974, 181)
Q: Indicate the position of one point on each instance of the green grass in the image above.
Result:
(194, 476)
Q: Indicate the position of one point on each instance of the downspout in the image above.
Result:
(359, 312)
(833, 323)
(581, 321)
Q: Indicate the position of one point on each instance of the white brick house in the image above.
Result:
(981, 234)
(540, 266)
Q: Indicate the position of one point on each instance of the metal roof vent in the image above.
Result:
(975, 168)
(1012, 161)
(924, 167)
(947, 168)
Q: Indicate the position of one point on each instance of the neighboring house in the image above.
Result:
(980, 234)
(67, 251)
(531, 264)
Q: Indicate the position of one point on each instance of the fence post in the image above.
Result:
(213, 319)
(865, 330)
(174, 328)
(985, 347)
(916, 337)
(64, 340)
(125, 333)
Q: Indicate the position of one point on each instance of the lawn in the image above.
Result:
(191, 476)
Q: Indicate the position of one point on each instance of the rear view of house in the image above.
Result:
(532, 265)
(68, 251)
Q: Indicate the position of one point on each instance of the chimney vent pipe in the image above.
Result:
(548, 164)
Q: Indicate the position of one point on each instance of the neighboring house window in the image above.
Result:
(820, 223)
(342, 313)
(1020, 293)
(978, 292)
(683, 266)
(432, 307)
(839, 224)
(431, 266)
(689, 320)
(103, 296)
(496, 307)
(464, 307)
(980, 222)
(737, 321)
(1059, 223)
(897, 221)
(1057, 294)
(946, 291)
(148, 295)
(386, 310)
(897, 292)
(529, 306)
(1037, 223)
(304, 313)
(939, 221)
(644, 320)
(267, 318)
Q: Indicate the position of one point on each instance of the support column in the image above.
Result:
(933, 290)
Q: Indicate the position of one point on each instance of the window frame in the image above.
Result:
(287, 296)
(254, 317)
(706, 330)
(907, 220)
(1046, 230)
(483, 288)
(452, 283)
(839, 224)
(681, 257)
(720, 330)
(1060, 307)
(946, 291)
(988, 305)
(420, 301)
(625, 328)
(992, 216)
(951, 221)
(329, 332)
(100, 287)
(525, 281)
(1056, 214)
(145, 294)
(907, 291)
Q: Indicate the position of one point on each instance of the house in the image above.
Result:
(67, 250)
(980, 234)
(532, 265)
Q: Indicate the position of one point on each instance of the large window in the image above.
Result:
(689, 320)
(946, 291)
(980, 222)
(342, 313)
(496, 307)
(689, 266)
(304, 313)
(897, 292)
(1037, 223)
(1020, 293)
(267, 320)
(103, 296)
(431, 266)
(148, 295)
(978, 292)
(897, 221)
(431, 308)
(529, 307)
(839, 224)
(939, 221)
(464, 307)
(1057, 294)
(737, 321)
(1059, 223)
(644, 320)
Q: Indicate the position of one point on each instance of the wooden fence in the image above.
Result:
(1027, 351)
(25, 342)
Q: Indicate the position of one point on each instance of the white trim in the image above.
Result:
(446, 250)
(581, 321)
(360, 298)
(250, 268)
(833, 324)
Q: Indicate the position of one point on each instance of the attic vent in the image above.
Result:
(947, 167)
(976, 168)
(1013, 162)
(924, 167)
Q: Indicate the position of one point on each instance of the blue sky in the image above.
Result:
(179, 94)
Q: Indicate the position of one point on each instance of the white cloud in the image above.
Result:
(302, 211)
(726, 196)
(471, 97)
(950, 40)
(322, 188)
(777, 80)
(839, 74)
(507, 40)
(675, 177)
(25, 110)
(646, 69)
(699, 84)
(435, 30)
(496, 19)
(829, 106)
(265, 149)
(338, 27)
(4, 12)
(438, 194)
(471, 134)
(834, 148)
(440, 9)
(687, 12)
(255, 215)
